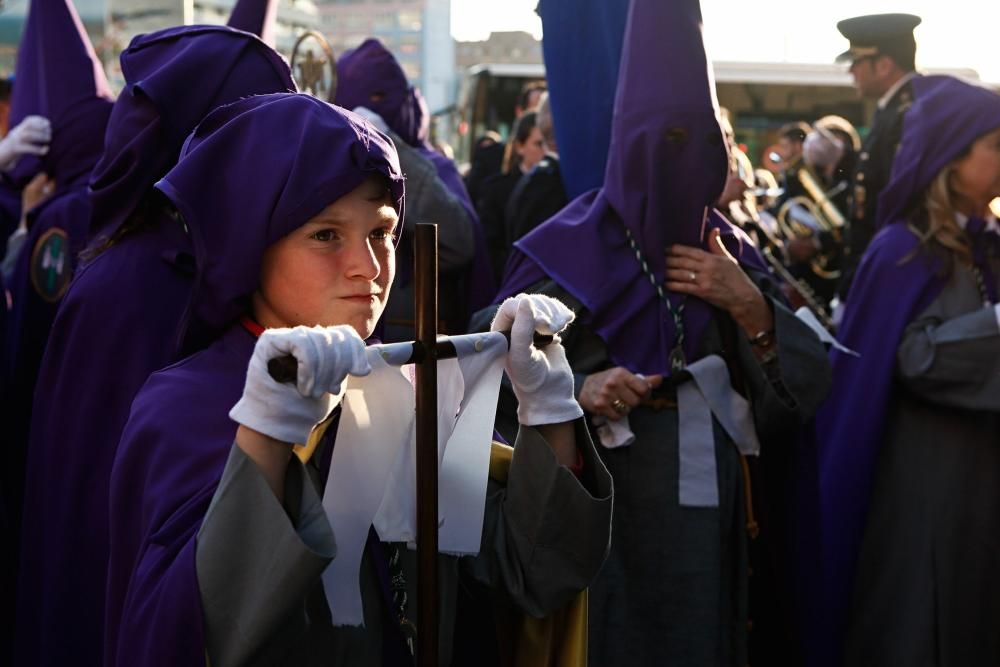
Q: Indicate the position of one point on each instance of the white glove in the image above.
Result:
(288, 412)
(542, 379)
(373, 118)
(31, 137)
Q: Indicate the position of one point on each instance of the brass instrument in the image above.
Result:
(806, 216)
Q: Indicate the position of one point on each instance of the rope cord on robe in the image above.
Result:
(677, 359)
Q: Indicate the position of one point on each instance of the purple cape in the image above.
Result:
(58, 77)
(164, 475)
(132, 300)
(667, 164)
(891, 288)
(582, 83)
(255, 16)
(371, 70)
(850, 426)
(173, 78)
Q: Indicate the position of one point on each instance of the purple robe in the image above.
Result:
(668, 162)
(123, 317)
(172, 453)
(895, 282)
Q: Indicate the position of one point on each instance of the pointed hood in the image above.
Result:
(59, 76)
(257, 17)
(668, 159)
(667, 164)
(173, 79)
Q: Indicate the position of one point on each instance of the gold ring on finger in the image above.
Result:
(620, 406)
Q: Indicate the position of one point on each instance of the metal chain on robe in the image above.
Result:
(677, 361)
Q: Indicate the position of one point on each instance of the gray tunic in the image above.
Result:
(927, 592)
(545, 536)
(674, 588)
(428, 200)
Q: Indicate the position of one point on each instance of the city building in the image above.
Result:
(418, 32)
(516, 48)
(113, 23)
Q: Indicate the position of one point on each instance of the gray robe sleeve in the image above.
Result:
(952, 361)
(429, 200)
(256, 560)
(547, 533)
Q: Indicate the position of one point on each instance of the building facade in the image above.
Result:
(112, 24)
(508, 48)
(418, 32)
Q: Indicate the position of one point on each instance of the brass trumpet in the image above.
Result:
(807, 216)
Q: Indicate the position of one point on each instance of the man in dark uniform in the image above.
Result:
(881, 60)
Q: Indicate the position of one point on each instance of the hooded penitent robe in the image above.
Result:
(205, 561)
(125, 315)
(674, 588)
(908, 459)
(60, 78)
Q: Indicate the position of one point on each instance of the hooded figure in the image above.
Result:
(908, 460)
(371, 77)
(256, 16)
(59, 78)
(646, 264)
(125, 315)
(208, 558)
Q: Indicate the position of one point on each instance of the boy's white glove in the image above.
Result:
(31, 137)
(288, 412)
(542, 379)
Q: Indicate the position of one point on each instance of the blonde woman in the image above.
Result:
(909, 461)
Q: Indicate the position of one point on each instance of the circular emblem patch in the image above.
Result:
(50, 270)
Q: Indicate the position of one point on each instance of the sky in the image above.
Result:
(954, 33)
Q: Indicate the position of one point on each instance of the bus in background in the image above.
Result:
(487, 97)
(760, 97)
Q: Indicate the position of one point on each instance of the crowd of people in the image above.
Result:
(764, 433)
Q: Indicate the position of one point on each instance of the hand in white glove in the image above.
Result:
(288, 412)
(373, 118)
(31, 137)
(542, 379)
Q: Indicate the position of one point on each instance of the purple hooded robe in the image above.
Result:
(132, 300)
(667, 154)
(895, 282)
(59, 77)
(179, 426)
(370, 76)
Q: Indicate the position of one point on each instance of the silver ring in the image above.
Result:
(694, 276)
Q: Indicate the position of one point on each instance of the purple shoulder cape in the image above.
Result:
(894, 283)
(667, 164)
(164, 474)
(169, 463)
(123, 317)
